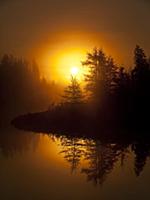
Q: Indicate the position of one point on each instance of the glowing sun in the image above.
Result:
(66, 63)
(74, 71)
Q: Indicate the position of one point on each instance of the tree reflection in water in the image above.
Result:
(142, 152)
(73, 150)
(99, 157)
(102, 157)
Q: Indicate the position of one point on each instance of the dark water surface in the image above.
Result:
(36, 166)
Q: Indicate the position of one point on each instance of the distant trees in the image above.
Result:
(21, 87)
(73, 93)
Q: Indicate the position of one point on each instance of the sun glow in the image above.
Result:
(69, 64)
(64, 63)
(74, 71)
(65, 52)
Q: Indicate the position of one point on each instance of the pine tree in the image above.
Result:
(110, 76)
(140, 58)
(73, 93)
(140, 88)
(141, 69)
(101, 75)
(95, 63)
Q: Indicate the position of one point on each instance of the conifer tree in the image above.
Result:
(73, 93)
(102, 73)
(141, 68)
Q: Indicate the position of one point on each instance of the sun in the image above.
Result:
(67, 63)
(74, 71)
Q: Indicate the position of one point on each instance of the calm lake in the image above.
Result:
(37, 166)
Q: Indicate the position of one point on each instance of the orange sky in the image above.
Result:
(68, 50)
(45, 30)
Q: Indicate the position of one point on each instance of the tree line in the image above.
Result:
(111, 89)
(21, 87)
(113, 94)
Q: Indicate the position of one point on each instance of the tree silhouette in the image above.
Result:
(73, 93)
(140, 76)
(95, 63)
(102, 73)
(140, 73)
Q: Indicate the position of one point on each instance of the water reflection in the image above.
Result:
(142, 153)
(72, 150)
(102, 157)
(93, 159)
(12, 142)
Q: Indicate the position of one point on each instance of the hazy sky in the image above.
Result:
(32, 27)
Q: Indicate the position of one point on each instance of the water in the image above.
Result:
(37, 166)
